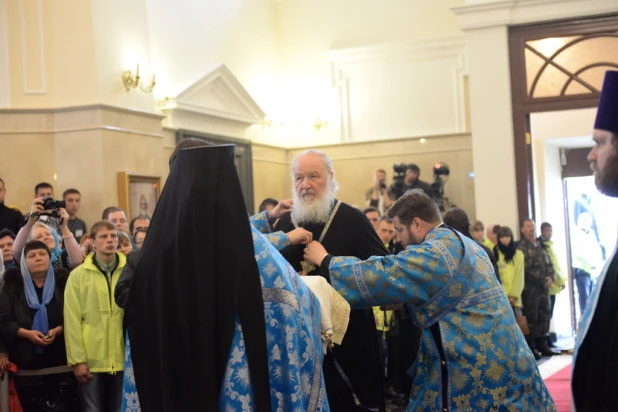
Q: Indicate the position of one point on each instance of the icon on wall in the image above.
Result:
(138, 194)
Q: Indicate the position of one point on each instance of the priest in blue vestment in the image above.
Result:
(473, 355)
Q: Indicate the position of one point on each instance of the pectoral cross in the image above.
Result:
(306, 268)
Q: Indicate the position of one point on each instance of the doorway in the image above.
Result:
(560, 142)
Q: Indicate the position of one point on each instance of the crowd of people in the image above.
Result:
(205, 308)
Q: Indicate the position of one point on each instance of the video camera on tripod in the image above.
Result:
(441, 171)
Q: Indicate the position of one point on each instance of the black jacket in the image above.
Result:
(121, 293)
(10, 219)
(15, 313)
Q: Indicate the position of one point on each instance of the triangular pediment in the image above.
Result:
(219, 94)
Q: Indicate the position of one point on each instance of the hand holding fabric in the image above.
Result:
(315, 253)
(283, 208)
(300, 236)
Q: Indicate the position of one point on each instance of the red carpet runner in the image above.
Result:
(559, 386)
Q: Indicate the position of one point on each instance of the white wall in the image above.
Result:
(370, 77)
(188, 38)
(120, 31)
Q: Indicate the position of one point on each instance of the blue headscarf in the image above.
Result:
(40, 322)
(57, 251)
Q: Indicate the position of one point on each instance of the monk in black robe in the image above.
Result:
(349, 233)
(595, 362)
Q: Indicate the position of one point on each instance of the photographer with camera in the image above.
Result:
(377, 196)
(46, 191)
(407, 178)
(36, 230)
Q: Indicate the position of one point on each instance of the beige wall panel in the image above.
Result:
(131, 153)
(271, 174)
(355, 165)
(80, 165)
(25, 160)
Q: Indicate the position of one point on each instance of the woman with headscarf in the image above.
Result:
(31, 325)
(69, 258)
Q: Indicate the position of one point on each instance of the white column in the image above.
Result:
(492, 126)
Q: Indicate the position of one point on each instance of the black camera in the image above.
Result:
(441, 172)
(49, 203)
(398, 186)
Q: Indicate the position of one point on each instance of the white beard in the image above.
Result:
(313, 211)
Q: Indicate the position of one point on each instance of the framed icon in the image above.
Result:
(138, 194)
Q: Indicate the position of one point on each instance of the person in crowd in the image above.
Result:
(139, 222)
(31, 326)
(477, 230)
(373, 215)
(346, 231)
(231, 332)
(511, 266)
(93, 323)
(377, 195)
(538, 277)
(119, 218)
(125, 243)
(458, 219)
(42, 191)
(411, 181)
(7, 240)
(68, 258)
(139, 236)
(268, 204)
(10, 218)
(492, 236)
(586, 257)
(559, 283)
(472, 355)
(73, 200)
(386, 233)
(595, 361)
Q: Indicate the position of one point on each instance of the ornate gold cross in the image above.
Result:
(306, 268)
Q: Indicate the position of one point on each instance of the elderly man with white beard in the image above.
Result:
(346, 231)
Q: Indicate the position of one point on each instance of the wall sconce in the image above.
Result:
(320, 124)
(132, 81)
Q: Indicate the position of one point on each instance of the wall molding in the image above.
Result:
(492, 13)
(82, 129)
(79, 119)
(5, 72)
(265, 160)
(97, 106)
(43, 89)
(393, 54)
(228, 98)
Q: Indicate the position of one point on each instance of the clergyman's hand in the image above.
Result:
(283, 208)
(300, 236)
(315, 253)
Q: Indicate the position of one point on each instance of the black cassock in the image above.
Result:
(350, 234)
(595, 372)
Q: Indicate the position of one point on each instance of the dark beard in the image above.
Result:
(508, 251)
(607, 179)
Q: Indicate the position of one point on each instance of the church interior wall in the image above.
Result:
(368, 81)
